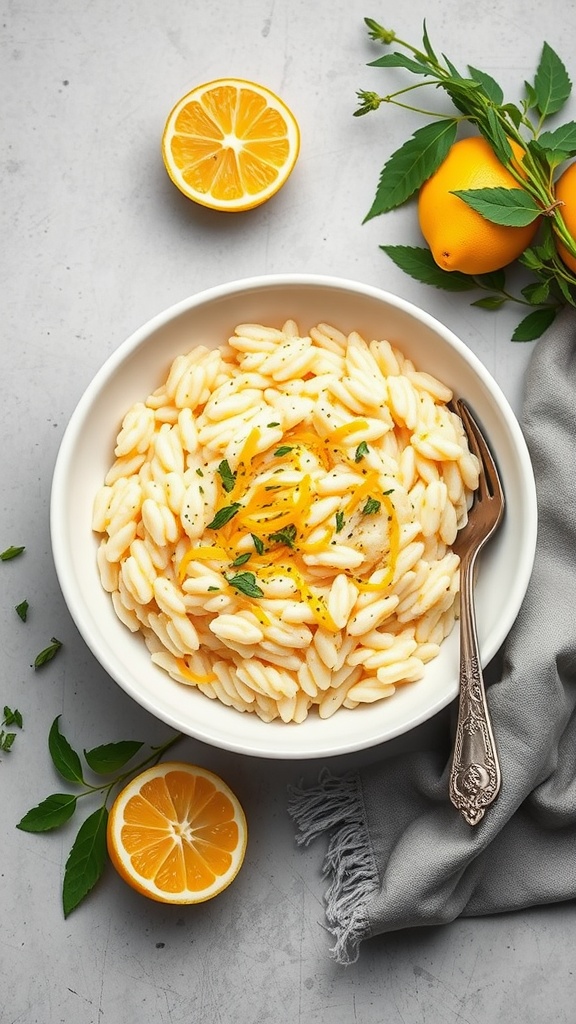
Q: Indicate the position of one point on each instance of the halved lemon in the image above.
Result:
(230, 144)
(177, 833)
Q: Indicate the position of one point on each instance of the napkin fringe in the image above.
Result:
(335, 805)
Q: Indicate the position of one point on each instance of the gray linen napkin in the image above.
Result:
(399, 855)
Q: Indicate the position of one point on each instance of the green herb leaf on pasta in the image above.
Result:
(245, 583)
(371, 507)
(227, 477)
(286, 536)
(241, 559)
(223, 516)
(258, 544)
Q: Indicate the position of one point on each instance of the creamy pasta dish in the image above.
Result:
(278, 518)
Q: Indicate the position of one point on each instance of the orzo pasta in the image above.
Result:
(279, 517)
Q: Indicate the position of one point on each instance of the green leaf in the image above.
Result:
(419, 264)
(339, 522)
(245, 583)
(546, 247)
(109, 757)
(361, 451)
(227, 477)
(488, 85)
(51, 813)
(371, 507)
(564, 289)
(12, 717)
(426, 43)
(241, 559)
(496, 280)
(6, 740)
(497, 138)
(400, 60)
(552, 85)
(48, 653)
(536, 293)
(22, 610)
(490, 302)
(11, 552)
(284, 449)
(286, 536)
(535, 324)
(531, 259)
(531, 97)
(457, 77)
(258, 544)
(86, 860)
(562, 139)
(223, 516)
(514, 113)
(410, 166)
(64, 757)
(512, 207)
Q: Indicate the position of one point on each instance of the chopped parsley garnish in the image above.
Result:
(371, 507)
(241, 559)
(227, 476)
(339, 521)
(245, 583)
(361, 451)
(286, 536)
(284, 449)
(223, 516)
(258, 544)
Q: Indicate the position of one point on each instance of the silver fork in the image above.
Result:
(475, 772)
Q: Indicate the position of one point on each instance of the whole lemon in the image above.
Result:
(458, 237)
(566, 193)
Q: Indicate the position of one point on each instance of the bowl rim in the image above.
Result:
(228, 289)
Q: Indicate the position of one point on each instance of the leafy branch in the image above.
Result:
(88, 855)
(479, 101)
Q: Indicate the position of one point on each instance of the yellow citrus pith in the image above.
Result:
(458, 237)
(566, 193)
(177, 834)
(230, 144)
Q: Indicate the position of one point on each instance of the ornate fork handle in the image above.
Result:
(475, 772)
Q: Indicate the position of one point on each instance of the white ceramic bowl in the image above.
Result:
(140, 364)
